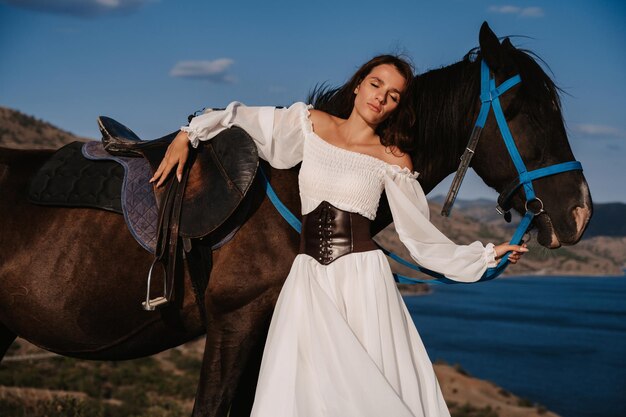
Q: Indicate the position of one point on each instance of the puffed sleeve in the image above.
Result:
(427, 245)
(278, 132)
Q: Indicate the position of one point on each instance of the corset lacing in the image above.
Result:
(329, 233)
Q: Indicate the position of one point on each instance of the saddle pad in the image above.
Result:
(139, 205)
(68, 179)
(137, 196)
(84, 175)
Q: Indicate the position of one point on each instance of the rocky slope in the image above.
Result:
(18, 130)
(36, 384)
(596, 255)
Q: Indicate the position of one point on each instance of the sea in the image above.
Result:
(556, 341)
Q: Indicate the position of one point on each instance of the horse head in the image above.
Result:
(533, 112)
(448, 103)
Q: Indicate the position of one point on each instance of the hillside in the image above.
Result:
(607, 219)
(477, 220)
(18, 130)
(34, 383)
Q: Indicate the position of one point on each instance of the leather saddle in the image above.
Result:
(219, 172)
(215, 180)
(203, 212)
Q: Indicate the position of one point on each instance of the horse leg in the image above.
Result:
(230, 341)
(246, 388)
(239, 311)
(6, 339)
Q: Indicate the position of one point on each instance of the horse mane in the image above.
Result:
(539, 94)
(439, 123)
(445, 104)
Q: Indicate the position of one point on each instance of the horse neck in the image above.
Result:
(446, 105)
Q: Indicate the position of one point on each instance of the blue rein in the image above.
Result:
(489, 97)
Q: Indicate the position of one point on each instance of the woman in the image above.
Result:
(341, 341)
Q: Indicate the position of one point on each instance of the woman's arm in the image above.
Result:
(277, 132)
(426, 244)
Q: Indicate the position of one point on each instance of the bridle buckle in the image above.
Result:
(537, 212)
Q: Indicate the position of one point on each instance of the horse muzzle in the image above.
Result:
(555, 231)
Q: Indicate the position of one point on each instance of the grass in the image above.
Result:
(468, 410)
(67, 406)
(161, 386)
(457, 367)
(137, 388)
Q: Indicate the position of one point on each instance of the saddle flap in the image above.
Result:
(219, 178)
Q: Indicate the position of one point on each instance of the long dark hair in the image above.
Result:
(446, 100)
(339, 101)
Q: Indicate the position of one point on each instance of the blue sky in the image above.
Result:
(149, 63)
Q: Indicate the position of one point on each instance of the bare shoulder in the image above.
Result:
(321, 120)
(395, 156)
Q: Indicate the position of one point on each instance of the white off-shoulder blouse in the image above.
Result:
(349, 180)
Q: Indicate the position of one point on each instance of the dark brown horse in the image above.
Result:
(71, 280)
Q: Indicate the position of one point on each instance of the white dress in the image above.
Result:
(341, 342)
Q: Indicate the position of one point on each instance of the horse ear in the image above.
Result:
(506, 43)
(490, 48)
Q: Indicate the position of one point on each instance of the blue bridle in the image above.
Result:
(490, 98)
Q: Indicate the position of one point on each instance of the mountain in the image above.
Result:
(595, 254)
(609, 219)
(37, 383)
(18, 130)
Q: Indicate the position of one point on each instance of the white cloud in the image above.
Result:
(215, 71)
(516, 10)
(109, 3)
(532, 12)
(505, 9)
(599, 131)
(79, 8)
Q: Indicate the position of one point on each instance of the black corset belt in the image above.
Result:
(329, 233)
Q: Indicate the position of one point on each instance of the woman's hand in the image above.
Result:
(177, 154)
(516, 251)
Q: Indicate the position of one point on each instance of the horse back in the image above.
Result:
(22, 159)
(71, 279)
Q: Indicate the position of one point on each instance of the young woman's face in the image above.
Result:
(379, 94)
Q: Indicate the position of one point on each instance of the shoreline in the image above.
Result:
(533, 336)
(461, 390)
(566, 275)
(427, 289)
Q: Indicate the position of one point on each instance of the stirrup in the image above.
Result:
(152, 304)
